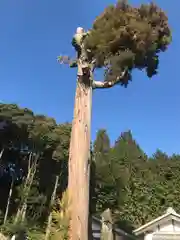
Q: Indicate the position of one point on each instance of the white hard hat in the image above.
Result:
(79, 30)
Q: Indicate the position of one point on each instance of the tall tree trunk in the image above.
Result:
(1, 154)
(21, 213)
(79, 160)
(48, 229)
(21, 205)
(8, 202)
(27, 191)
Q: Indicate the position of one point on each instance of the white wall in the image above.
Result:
(148, 236)
(176, 226)
(167, 227)
(164, 228)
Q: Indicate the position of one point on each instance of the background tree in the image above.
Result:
(137, 187)
(142, 187)
(122, 38)
(22, 134)
(104, 187)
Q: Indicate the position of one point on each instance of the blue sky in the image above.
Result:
(33, 33)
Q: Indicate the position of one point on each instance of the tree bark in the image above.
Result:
(21, 213)
(48, 229)
(8, 202)
(28, 188)
(79, 160)
(1, 153)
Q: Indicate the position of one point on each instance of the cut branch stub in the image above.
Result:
(108, 84)
(67, 60)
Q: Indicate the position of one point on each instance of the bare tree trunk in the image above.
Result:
(79, 160)
(8, 202)
(48, 229)
(29, 184)
(23, 210)
(21, 213)
(1, 153)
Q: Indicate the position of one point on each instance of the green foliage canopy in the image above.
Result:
(136, 187)
(127, 37)
(21, 133)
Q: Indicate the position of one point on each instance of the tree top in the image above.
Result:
(127, 37)
(121, 39)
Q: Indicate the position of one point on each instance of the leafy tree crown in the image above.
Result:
(127, 37)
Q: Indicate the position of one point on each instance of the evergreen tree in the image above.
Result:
(121, 39)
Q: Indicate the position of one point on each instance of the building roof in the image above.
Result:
(169, 215)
